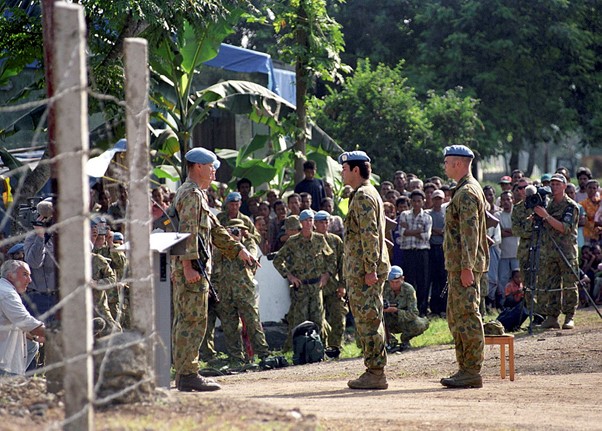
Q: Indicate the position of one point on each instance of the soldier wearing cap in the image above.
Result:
(365, 267)
(401, 315)
(233, 280)
(232, 211)
(190, 288)
(466, 259)
(334, 291)
(557, 283)
(308, 262)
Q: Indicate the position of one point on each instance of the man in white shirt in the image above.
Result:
(509, 245)
(16, 324)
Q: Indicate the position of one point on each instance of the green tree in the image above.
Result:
(377, 111)
(312, 40)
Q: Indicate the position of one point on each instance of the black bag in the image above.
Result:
(513, 318)
(307, 345)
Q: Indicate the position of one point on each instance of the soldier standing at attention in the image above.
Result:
(306, 260)
(366, 267)
(190, 288)
(466, 259)
(334, 291)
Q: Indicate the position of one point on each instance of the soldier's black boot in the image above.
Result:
(463, 379)
(194, 382)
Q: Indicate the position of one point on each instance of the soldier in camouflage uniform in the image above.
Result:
(365, 267)
(560, 221)
(233, 280)
(232, 211)
(402, 317)
(466, 259)
(522, 226)
(334, 291)
(190, 288)
(103, 277)
(307, 261)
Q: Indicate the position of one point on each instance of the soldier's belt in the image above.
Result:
(311, 281)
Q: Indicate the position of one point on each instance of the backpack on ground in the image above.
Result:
(307, 345)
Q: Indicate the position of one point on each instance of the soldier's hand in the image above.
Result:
(294, 280)
(467, 277)
(371, 279)
(248, 258)
(191, 275)
(324, 279)
(341, 292)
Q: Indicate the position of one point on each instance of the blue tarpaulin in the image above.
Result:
(281, 82)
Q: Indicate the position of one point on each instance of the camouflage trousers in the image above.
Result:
(557, 287)
(307, 303)
(336, 312)
(366, 303)
(189, 322)
(522, 255)
(103, 312)
(464, 320)
(407, 329)
(237, 302)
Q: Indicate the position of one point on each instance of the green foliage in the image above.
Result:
(376, 111)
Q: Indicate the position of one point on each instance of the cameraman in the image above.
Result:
(560, 222)
(42, 293)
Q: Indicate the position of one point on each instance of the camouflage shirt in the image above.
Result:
(567, 212)
(305, 258)
(522, 224)
(465, 237)
(223, 219)
(365, 250)
(405, 301)
(336, 244)
(196, 218)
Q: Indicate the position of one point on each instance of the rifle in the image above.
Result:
(198, 266)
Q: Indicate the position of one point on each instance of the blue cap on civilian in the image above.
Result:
(322, 215)
(202, 156)
(458, 151)
(306, 215)
(16, 248)
(395, 272)
(353, 156)
(233, 197)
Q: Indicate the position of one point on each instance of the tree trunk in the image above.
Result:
(302, 78)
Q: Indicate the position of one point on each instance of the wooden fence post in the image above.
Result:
(71, 106)
(138, 211)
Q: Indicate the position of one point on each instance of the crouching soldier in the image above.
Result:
(401, 316)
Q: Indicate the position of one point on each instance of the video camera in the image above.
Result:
(538, 199)
(28, 213)
(387, 304)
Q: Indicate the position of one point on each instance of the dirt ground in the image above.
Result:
(558, 386)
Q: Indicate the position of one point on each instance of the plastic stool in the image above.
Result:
(503, 341)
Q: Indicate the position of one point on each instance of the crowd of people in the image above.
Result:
(417, 244)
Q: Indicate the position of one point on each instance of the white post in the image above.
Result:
(139, 215)
(71, 105)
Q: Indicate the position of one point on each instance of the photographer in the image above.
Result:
(42, 293)
(558, 283)
(400, 310)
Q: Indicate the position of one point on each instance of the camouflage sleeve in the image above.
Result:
(222, 239)
(280, 260)
(521, 222)
(410, 312)
(118, 263)
(369, 231)
(252, 247)
(330, 259)
(189, 209)
(570, 219)
(469, 224)
(102, 272)
(338, 251)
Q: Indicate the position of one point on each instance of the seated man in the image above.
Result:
(16, 324)
(401, 310)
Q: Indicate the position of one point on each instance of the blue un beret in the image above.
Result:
(353, 156)
(16, 248)
(202, 156)
(458, 151)
(117, 236)
(546, 177)
(233, 197)
(395, 272)
(306, 214)
(322, 215)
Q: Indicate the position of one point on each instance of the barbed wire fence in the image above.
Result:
(79, 359)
